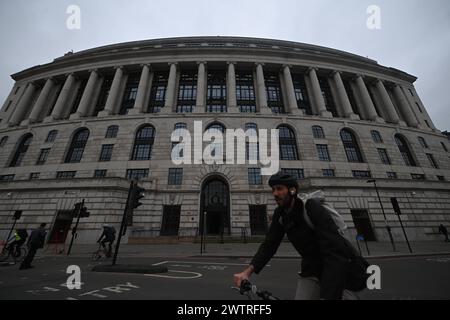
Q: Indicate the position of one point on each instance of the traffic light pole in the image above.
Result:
(388, 228)
(404, 232)
(122, 226)
(75, 229)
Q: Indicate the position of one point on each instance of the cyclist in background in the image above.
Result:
(108, 236)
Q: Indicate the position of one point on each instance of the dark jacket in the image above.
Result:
(325, 253)
(109, 234)
(37, 238)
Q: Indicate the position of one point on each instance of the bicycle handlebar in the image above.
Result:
(247, 288)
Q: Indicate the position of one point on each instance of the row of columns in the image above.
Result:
(319, 106)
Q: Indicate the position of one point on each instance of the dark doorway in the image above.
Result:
(363, 225)
(258, 220)
(61, 227)
(171, 221)
(215, 200)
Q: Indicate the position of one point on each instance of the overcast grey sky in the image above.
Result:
(414, 35)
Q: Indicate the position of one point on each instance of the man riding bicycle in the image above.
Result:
(330, 269)
(17, 241)
(108, 236)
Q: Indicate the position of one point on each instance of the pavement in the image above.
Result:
(247, 250)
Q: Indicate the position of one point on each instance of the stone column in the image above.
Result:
(343, 97)
(387, 103)
(86, 98)
(142, 91)
(261, 90)
(113, 94)
(290, 91)
(321, 108)
(61, 102)
(405, 107)
(170, 92)
(231, 88)
(369, 108)
(201, 88)
(21, 107)
(39, 106)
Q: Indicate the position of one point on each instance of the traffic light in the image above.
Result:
(396, 206)
(81, 210)
(137, 193)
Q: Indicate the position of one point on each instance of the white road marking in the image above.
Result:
(206, 263)
(195, 275)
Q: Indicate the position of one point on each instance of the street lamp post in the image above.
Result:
(388, 228)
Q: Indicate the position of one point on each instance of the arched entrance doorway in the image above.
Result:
(215, 201)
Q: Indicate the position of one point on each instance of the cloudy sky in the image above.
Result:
(414, 34)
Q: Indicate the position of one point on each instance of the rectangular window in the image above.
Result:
(245, 92)
(299, 174)
(254, 176)
(384, 156)
(301, 93)
(418, 176)
(34, 176)
(216, 95)
(361, 174)
(106, 153)
(418, 107)
(43, 157)
(66, 174)
(130, 94)
(391, 175)
(137, 174)
(328, 173)
(175, 177)
(328, 96)
(441, 178)
(8, 177)
(104, 93)
(322, 152)
(158, 92)
(274, 93)
(100, 174)
(187, 92)
(433, 162)
(7, 107)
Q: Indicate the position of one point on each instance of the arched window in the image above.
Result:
(21, 150)
(180, 126)
(405, 151)
(5, 139)
(351, 146)
(423, 143)
(51, 136)
(143, 143)
(111, 132)
(376, 136)
(288, 144)
(216, 129)
(318, 132)
(77, 146)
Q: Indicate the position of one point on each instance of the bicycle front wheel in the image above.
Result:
(96, 256)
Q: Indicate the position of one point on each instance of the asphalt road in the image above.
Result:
(210, 279)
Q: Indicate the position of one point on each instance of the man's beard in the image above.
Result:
(285, 202)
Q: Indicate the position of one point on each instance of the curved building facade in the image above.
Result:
(84, 125)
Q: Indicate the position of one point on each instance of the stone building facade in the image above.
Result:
(85, 124)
